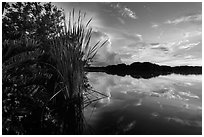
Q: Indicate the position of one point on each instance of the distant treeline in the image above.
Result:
(146, 70)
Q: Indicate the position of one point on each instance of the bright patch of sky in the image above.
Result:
(167, 33)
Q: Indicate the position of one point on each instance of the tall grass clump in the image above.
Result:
(46, 90)
(71, 53)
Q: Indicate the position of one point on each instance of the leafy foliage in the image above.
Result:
(45, 91)
(36, 20)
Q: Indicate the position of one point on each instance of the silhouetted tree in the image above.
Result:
(42, 70)
(26, 28)
(33, 19)
(3, 5)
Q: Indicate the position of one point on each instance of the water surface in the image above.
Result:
(165, 105)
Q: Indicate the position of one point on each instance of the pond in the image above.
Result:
(167, 105)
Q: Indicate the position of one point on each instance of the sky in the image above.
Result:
(165, 33)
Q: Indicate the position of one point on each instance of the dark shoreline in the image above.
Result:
(146, 70)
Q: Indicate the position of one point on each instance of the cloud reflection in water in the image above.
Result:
(163, 99)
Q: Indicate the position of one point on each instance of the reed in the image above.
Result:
(71, 52)
(53, 80)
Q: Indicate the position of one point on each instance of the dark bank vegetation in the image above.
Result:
(146, 70)
(44, 85)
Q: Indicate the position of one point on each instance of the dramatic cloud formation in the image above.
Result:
(105, 55)
(162, 33)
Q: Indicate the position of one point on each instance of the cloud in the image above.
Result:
(171, 46)
(173, 53)
(127, 12)
(165, 49)
(124, 11)
(129, 126)
(184, 122)
(102, 83)
(183, 61)
(142, 51)
(126, 55)
(131, 37)
(137, 45)
(189, 46)
(139, 36)
(105, 55)
(154, 25)
(194, 18)
(192, 34)
(154, 44)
